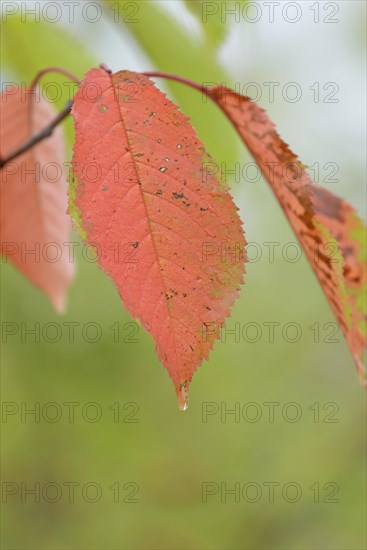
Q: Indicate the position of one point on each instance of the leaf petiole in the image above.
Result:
(59, 70)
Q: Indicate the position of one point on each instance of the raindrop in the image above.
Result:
(183, 396)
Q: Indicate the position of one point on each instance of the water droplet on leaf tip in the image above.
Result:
(183, 396)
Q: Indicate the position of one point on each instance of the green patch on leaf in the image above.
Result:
(73, 209)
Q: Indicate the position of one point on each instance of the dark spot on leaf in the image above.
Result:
(327, 204)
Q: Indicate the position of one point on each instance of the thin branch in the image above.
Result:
(43, 134)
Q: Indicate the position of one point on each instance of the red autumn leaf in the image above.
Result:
(34, 224)
(169, 237)
(328, 228)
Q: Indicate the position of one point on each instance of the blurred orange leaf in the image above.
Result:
(34, 224)
(328, 228)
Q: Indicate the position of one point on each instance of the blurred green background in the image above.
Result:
(158, 456)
